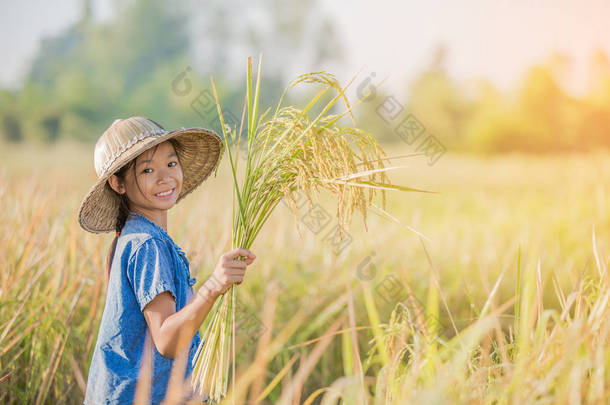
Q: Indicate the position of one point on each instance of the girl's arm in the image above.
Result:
(173, 331)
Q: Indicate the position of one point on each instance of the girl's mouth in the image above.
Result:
(166, 194)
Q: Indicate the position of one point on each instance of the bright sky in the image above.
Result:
(493, 39)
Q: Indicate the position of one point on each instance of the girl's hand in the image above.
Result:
(229, 270)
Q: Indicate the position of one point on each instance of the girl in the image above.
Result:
(144, 170)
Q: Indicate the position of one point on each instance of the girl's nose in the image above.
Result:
(164, 176)
(164, 179)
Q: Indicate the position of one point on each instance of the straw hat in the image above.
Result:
(199, 151)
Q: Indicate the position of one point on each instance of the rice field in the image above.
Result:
(502, 299)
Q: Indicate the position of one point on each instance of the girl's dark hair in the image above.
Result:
(124, 208)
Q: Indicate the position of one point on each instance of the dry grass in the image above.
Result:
(330, 334)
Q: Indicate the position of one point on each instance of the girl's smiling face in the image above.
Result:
(154, 184)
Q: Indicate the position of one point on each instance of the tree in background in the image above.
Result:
(93, 72)
(539, 117)
(439, 102)
(594, 128)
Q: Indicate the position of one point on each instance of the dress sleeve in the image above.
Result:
(150, 271)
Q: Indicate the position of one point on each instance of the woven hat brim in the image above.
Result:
(199, 151)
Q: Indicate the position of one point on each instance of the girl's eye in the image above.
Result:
(171, 164)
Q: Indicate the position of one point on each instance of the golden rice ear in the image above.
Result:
(288, 152)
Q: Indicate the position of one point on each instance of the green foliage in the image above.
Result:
(538, 116)
(94, 72)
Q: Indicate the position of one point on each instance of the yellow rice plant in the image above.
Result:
(286, 153)
(552, 355)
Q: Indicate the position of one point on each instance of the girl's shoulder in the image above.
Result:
(139, 230)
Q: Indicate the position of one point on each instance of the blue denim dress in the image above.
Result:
(146, 262)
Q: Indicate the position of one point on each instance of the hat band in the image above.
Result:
(124, 147)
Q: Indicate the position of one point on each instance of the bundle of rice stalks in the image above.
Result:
(286, 153)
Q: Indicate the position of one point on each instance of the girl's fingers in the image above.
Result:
(240, 252)
(237, 264)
